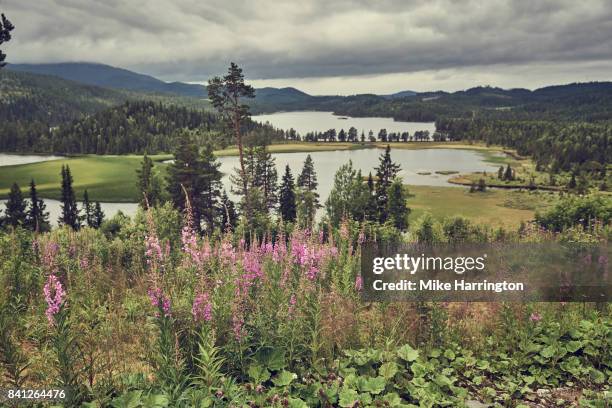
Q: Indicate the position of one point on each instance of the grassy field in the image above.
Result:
(106, 178)
(494, 207)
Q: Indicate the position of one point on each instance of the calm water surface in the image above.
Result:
(308, 121)
(12, 159)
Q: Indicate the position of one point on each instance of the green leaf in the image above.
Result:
(388, 370)
(597, 376)
(450, 354)
(548, 351)
(407, 353)
(258, 373)
(418, 370)
(284, 378)
(348, 397)
(156, 401)
(297, 403)
(374, 385)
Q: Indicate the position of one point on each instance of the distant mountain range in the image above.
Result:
(111, 77)
(107, 76)
(581, 101)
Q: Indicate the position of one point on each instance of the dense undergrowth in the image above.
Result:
(149, 314)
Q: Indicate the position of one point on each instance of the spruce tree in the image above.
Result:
(500, 173)
(509, 174)
(70, 212)
(227, 209)
(148, 184)
(198, 175)
(385, 174)
(266, 176)
(98, 217)
(88, 210)
(307, 180)
(287, 207)
(15, 212)
(37, 218)
(397, 209)
(209, 186)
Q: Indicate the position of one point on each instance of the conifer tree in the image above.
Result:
(307, 180)
(266, 176)
(397, 209)
(386, 172)
(287, 207)
(148, 184)
(509, 174)
(88, 210)
(37, 218)
(70, 213)
(15, 212)
(227, 209)
(198, 175)
(226, 95)
(5, 35)
(98, 217)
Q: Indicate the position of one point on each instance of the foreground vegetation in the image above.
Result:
(145, 312)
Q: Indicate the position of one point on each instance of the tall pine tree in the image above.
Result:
(69, 210)
(385, 173)
(15, 212)
(37, 218)
(287, 207)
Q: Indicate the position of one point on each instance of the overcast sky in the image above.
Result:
(326, 46)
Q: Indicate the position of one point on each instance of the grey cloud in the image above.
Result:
(193, 39)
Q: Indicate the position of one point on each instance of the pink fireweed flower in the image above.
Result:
(54, 296)
(535, 317)
(358, 283)
(153, 249)
(159, 300)
(280, 250)
(238, 326)
(202, 308)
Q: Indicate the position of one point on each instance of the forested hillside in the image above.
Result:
(132, 127)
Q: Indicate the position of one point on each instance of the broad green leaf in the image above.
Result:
(284, 378)
(388, 370)
(156, 401)
(407, 353)
(258, 373)
(374, 385)
(450, 354)
(348, 397)
(548, 352)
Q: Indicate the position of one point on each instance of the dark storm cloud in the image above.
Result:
(192, 39)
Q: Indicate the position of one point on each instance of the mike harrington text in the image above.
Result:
(437, 285)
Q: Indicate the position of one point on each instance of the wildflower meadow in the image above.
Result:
(154, 315)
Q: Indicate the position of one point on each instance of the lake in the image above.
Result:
(326, 164)
(411, 161)
(309, 121)
(13, 159)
